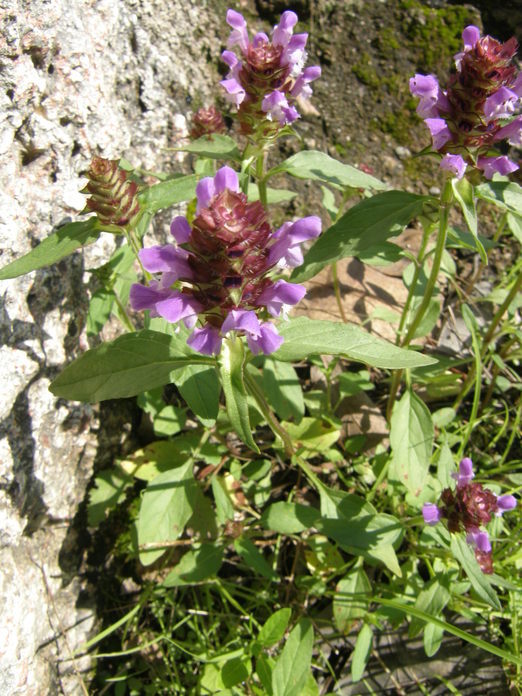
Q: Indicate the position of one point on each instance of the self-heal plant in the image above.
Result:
(467, 508)
(478, 108)
(268, 77)
(218, 272)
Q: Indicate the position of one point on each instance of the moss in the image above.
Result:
(365, 72)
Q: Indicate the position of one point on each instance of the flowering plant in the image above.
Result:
(250, 480)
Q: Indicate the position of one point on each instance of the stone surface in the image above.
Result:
(77, 79)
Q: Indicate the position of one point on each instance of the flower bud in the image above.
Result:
(113, 197)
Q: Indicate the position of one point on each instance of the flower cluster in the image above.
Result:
(478, 107)
(113, 197)
(207, 122)
(266, 81)
(220, 266)
(466, 509)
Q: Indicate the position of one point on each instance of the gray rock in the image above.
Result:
(77, 79)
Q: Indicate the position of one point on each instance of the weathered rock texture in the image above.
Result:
(77, 78)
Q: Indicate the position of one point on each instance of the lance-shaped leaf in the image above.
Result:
(199, 386)
(125, 367)
(54, 248)
(312, 164)
(465, 197)
(216, 146)
(291, 670)
(367, 224)
(305, 337)
(167, 193)
(504, 194)
(231, 362)
(411, 438)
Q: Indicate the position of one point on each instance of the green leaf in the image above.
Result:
(411, 439)
(351, 599)
(289, 518)
(291, 670)
(465, 196)
(274, 628)
(167, 193)
(165, 510)
(273, 196)
(100, 308)
(504, 194)
(304, 337)
(231, 361)
(199, 386)
(235, 671)
(264, 668)
(515, 225)
(363, 533)
(254, 558)
(432, 639)
(431, 599)
(131, 364)
(367, 224)
(283, 389)
(224, 506)
(313, 434)
(215, 146)
(361, 652)
(195, 566)
(480, 582)
(108, 492)
(169, 421)
(55, 247)
(312, 164)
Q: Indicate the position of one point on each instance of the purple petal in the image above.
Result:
(427, 88)
(479, 540)
(145, 297)
(234, 92)
(239, 35)
(267, 342)
(517, 85)
(470, 36)
(301, 84)
(294, 55)
(180, 229)
(275, 105)
(178, 306)
(505, 503)
(259, 39)
(440, 132)
(230, 58)
(513, 131)
(454, 164)
(289, 237)
(206, 340)
(283, 31)
(431, 514)
(491, 165)
(501, 104)
(168, 259)
(304, 229)
(205, 191)
(226, 178)
(279, 294)
(241, 320)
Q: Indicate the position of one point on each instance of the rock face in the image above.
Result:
(77, 79)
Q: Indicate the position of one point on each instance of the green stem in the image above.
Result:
(445, 204)
(278, 430)
(337, 291)
(124, 317)
(260, 175)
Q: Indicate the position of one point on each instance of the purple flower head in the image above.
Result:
(466, 509)
(268, 75)
(470, 116)
(431, 514)
(220, 277)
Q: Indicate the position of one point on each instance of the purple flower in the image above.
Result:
(427, 88)
(479, 540)
(501, 104)
(439, 130)
(512, 132)
(276, 296)
(465, 475)
(267, 342)
(504, 504)
(241, 320)
(286, 249)
(269, 74)
(454, 164)
(431, 514)
(206, 340)
(166, 259)
(493, 165)
(180, 229)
